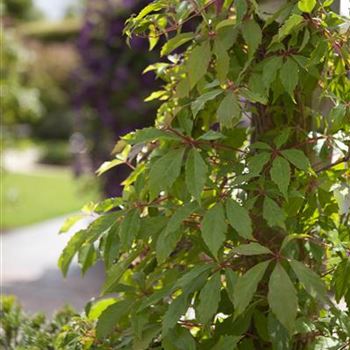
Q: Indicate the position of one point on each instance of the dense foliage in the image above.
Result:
(23, 332)
(109, 84)
(232, 231)
(20, 98)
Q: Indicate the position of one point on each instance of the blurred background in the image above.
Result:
(70, 86)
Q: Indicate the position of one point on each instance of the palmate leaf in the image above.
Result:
(273, 213)
(229, 111)
(310, 280)
(110, 317)
(239, 219)
(129, 228)
(196, 173)
(166, 243)
(88, 236)
(198, 63)
(280, 174)
(176, 42)
(297, 158)
(214, 228)
(176, 309)
(116, 271)
(200, 102)
(289, 75)
(251, 249)
(209, 298)
(270, 69)
(282, 298)
(246, 286)
(306, 5)
(226, 342)
(165, 171)
(251, 32)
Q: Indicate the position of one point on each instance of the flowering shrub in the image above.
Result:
(232, 231)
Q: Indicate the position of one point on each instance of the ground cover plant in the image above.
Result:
(232, 231)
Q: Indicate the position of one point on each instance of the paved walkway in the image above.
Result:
(29, 269)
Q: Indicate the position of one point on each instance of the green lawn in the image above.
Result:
(26, 199)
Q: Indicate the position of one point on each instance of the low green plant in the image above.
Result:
(20, 331)
(233, 228)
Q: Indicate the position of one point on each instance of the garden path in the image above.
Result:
(29, 269)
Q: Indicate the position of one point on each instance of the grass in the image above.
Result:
(31, 198)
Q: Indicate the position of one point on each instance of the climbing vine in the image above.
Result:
(232, 231)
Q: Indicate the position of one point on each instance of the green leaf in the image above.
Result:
(198, 63)
(289, 26)
(229, 111)
(150, 134)
(310, 280)
(270, 69)
(87, 257)
(115, 273)
(165, 171)
(178, 338)
(251, 249)
(153, 37)
(246, 286)
(212, 135)
(209, 298)
(200, 102)
(129, 227)
(70, 222)
(98, 307)
(70, 250)
(189, 276)
(282, 137)
(179, 216)
(239, 219)
(176, 42)
(341, 279)
(289, 75)
(166, 244)
(297, 158)
(150, 332)
(222, 60)
(226, 342)
(241, 9)
(231, 279)
(252, 35)
(153, 7)
(110, 317)
(273, 214)
(257, 162)
(282, 298)
(88, 236)
(306, 5)
(279, 336)
(176, 309)
(214, 228)
(196, 173)
(108, 166)
(280, 174)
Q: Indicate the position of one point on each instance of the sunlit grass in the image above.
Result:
(31, 198)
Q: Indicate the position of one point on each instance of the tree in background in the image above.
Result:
(20, 10)
(110, 86)
(20, 98)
